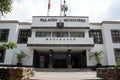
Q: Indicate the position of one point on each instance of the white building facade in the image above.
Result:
(60, 42)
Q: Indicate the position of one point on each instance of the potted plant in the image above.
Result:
(97, 56)
(20, 56)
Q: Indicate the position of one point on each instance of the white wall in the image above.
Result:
(10, 55)
(109, 46)
(28, 51)
(13, 27)
(27, 60)
(12, 37)
(97, 47)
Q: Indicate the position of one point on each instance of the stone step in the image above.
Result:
(66, 76)
(62, 69)
(65, 79)
(79, 79)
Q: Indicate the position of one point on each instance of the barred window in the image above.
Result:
(4, 35)
(2, 55)
(60, 34)
(97, 36)
(115, 36)
(116, 52)
(77, 34)
(23, 35)
(43, 34)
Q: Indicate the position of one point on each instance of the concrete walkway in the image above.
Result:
(65, 76)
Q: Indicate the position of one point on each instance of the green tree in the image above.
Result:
(5, 6)
(8, 45)
(118, 62)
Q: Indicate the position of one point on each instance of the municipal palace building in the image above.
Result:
(60, 41)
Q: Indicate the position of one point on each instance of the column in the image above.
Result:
(69, 34)
(51, 34)
(69, 59)
(33, 34)
(86, 34)
(50, 59)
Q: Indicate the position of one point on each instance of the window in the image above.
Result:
(23, 35)
(60, 34)
(2, 55)
(97, 36)
(4, 35)
(77, 34)
(115, 36)
(117, 52)
(43, 34)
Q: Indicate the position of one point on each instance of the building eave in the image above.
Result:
(95, 23)
(60, 28)
(60, 45)
(15, 21)
(110, 22)
(63, 16)
(9, 21)
(25, 23)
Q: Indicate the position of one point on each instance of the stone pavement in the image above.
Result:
(90, 75)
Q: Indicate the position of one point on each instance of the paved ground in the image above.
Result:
(65, 76)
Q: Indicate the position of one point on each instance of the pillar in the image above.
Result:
(69, 59)
(50, 59)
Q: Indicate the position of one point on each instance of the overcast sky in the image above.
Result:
(96, 10)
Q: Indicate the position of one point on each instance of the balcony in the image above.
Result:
(55, 41)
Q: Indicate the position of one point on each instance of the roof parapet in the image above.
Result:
(15, 21)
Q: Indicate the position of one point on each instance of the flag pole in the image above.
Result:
(48, 8)
(48, 12)
(60, 8)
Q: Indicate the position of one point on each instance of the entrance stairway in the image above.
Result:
(63, 69)
(65, 74)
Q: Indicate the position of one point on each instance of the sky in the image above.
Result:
(96, 10)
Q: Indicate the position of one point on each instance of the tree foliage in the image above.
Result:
(118, 62)
(5, 6)
(97, 56)
(8, 45)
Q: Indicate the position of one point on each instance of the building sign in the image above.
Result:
(54, 21)
(63, 20)
(60, 24)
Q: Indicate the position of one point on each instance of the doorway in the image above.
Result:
(60, 60)
(40, 60)
(78, 60)
(60, 63)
